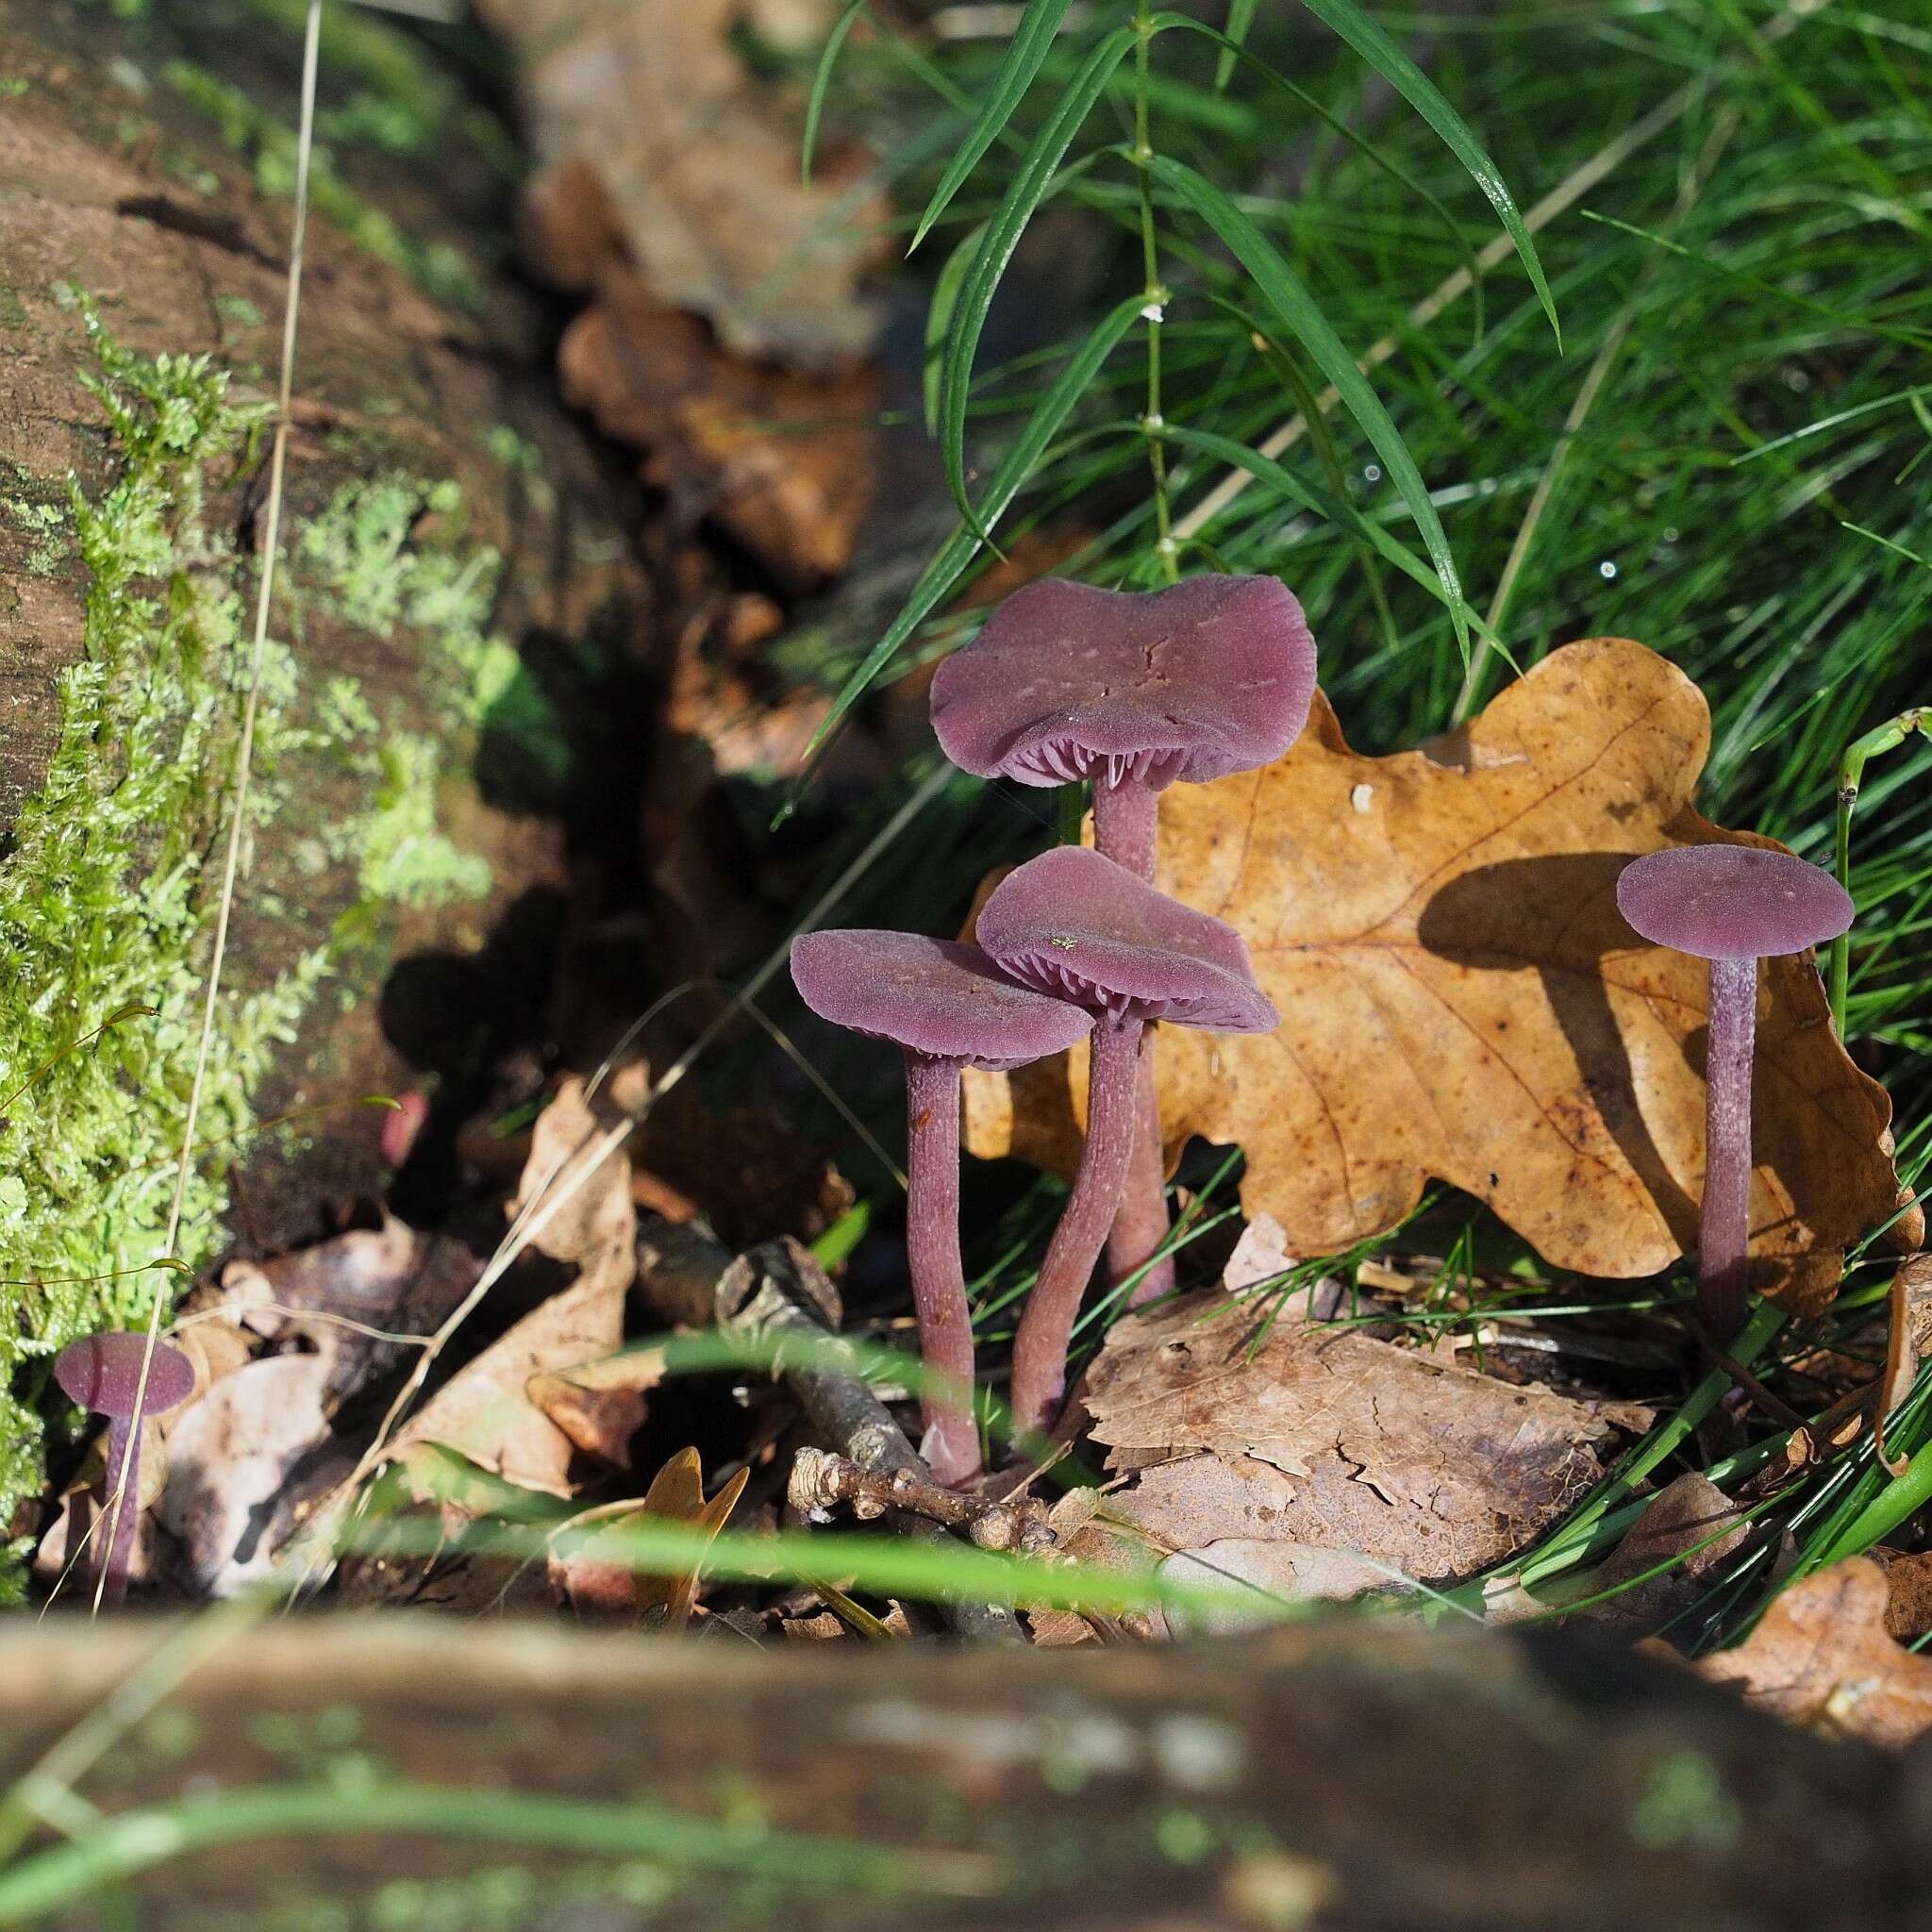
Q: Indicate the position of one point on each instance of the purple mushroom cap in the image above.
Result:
(935, 997)
(1073, 923)
(103, 1373)
(1731, 902)
(1066, 681)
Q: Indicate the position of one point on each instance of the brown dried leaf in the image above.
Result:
(1289, 1571)
(696, 165)
(1690, 1524)
(330, 1296)
(241, 1461)
(1821, 1657)
(1334, 1440)
(601, 1406)
(1908, 1591)
(1461, 998)
(485, 1411)
(678, 1491)
(596, 1584)
(783, 460)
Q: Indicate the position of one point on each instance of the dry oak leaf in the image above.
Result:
(1821, 1657)
(1330, 1439)
(1461, 999)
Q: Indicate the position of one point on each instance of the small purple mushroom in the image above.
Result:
(1076, 924)
(949, 1006)
(103, 1373)
(1732, 905)
(1133, 690)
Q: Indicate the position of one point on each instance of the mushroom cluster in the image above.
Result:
(1132, 693)
(1065, 685)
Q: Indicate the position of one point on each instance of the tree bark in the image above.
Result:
(1346, 1775)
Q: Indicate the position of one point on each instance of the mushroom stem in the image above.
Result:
(1126, 829)
(1724, 1230)
(1046, 1327)
(120, 1510)
(1127, 823)
(939, 1277)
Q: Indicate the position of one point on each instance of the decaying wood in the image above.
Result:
(387, 379)
(1348, 1775)
(778, 1289)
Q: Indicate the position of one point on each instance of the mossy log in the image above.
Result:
(458, 594)
(1345, 1775)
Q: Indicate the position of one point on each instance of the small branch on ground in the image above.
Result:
(778, 1289)
(821, 1481)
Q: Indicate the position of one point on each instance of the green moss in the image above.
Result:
(102, 899)
(440, 268)
(1685, 1807)
(238, 308)
(391, 551)
(110, 868)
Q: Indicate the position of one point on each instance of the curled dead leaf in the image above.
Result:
(1460, 997)
(600, 1406)
(485, 1411)
(1821, 1657)
(585, 1570)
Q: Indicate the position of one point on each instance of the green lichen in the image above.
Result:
(46, 523)
(110, 868)
(437, 267)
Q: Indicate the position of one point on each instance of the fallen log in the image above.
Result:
(1346, 1774)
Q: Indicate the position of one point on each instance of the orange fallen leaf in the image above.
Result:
(1821, 1657)
(1460, 997)
(589, 1574)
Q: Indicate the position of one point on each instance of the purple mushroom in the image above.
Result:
(1073, 923)
(949, 1006)
(1732, 905)
(1133, 690)
(103, 1373)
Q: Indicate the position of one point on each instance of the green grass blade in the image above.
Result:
(1027, 190)
(1028, 48)
(1319, 502)
(959, 549)
(1232, 52)
(1293, 303)
(1344, 18)
(1240, 17)
(939, 319)
(821, 83)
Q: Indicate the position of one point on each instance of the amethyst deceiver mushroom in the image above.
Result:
(1134, 689)
(103, 1373)
(949, 1006)
(1076, 924)
(1732, 905)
